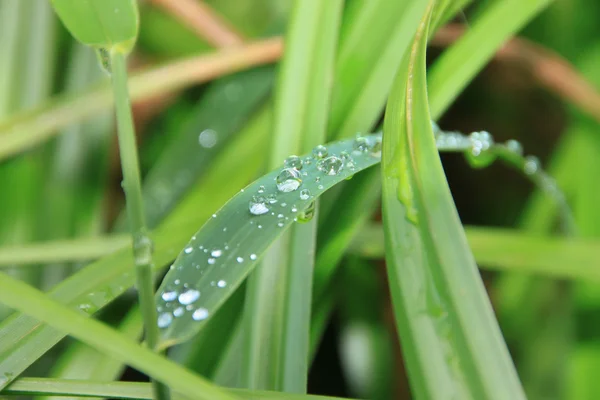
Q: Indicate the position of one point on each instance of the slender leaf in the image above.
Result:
(444, 318)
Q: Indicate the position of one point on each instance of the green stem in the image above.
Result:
(142, 244)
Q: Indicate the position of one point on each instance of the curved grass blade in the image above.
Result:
(224, 251)
(445, 321)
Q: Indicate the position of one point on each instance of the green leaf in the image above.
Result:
(228, 246)
(104, 24)
(125, 390)
(445, 321)
(27, 299)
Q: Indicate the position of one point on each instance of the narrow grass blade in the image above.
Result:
(125, 390)
(227, 247)
(26, 299)
(31, 128)
(445, 321)
(501, 249)
(277, 312)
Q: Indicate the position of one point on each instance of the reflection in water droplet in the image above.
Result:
(360, 144)
(258, 205)
(189, 296)
(207, 138)
(305, 194)
(200, 314)
(261, 189)
(164, 320)
(288, 180)
(330, 165)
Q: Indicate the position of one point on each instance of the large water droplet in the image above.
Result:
(169, 295)
(164, 320)
(189, 296)
(330, 165)
(258, 205)
(288, 180)
(293, 162)
(308, 213)
(319, 152)
(200, 314)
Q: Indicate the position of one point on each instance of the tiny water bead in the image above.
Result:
(188, 250)
(207, 138)
(211, 261)
(240, 259)
(259, 205)
(514, 146)
(216, 253)
(169, 295)
(305, 194)
(319, 152)
(189, 296)
(178, 312)
(480, 154)
(200, 314)
(272, 199)
(164, 319)
(330, 166)
(253, 257)
(532, 165)
(288, 180)
(221, 284)
(261, 189)
(293, 162)
(361, 144)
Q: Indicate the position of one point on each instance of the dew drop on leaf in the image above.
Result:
(164, 320)
(288, 180)
(293, 162)
(169, 295)
(258, 205)
(319, 152)
(200, 314)
(305, 194)
(189, 296)
(331, 165)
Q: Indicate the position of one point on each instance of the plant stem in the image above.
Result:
(142, 244)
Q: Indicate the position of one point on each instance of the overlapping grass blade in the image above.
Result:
(279, 294)
(25, 298)
(125, 390)
(444, 317)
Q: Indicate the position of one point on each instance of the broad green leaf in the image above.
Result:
(228, 246)
(101, 23)
(126, 390)
(444, 318)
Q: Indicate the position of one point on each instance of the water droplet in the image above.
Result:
(253, 257)
(240, 259)
(258, 205)
(178, 312)
(272, 199)
(280, 224)
(360, 144)
(164, 320)
(294, 209)
(320, 187)
(319, 152)
(104, 60)
(288, 180)
(532, 165)
(261, 189)
(305, 194)
(308, 213)
(212, 261)
(514, 146)
(293, 162)
(188, 250)
(200, 314)
(207, 138)
(375, 146)
(221, 283)
(330, 165)
(189, 296)
(216, 253)
(307, 161)
(169, 295)
(280, 216)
